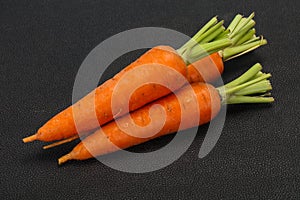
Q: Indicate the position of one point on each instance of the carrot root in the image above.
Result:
(64, 158)
(61, 142)
(30, 138)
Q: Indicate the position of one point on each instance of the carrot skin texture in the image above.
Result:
(207, 69)
(110, 138)
(63, 126)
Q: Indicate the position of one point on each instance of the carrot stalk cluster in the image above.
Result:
(199, 61)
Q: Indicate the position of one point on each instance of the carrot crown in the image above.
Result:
(211, 38)
(251, 87)
(242, 34)
(238, 39)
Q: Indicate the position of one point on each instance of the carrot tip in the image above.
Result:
(30, 138)
(64, 159)
(61, 142)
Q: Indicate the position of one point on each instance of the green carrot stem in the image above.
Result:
(242, 24)
(243, 29)
(249, 35)
(214, 38)
(248, 26)
(249, 99)
(206, 27)
(200, 51)
(213, 35)
(223, 35)
(206, 38)
(246, 76)
(259, 74)
(256, 88)
(254, 39)
(209, 32)
(233, 52)
(243, 32)
(241, 86)
(238, 90)
(268, 94)
(211, 46)
(193, 40)
(234, 22)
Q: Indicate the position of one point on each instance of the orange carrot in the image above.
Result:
(207, 69)
(63, 125)
(200, 96)
(111, 137)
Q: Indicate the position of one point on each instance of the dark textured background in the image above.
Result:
(43, 44)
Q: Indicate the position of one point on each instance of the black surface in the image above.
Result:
(43, 44)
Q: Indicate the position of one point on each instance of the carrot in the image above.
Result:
(200, 96)
(63, 124)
